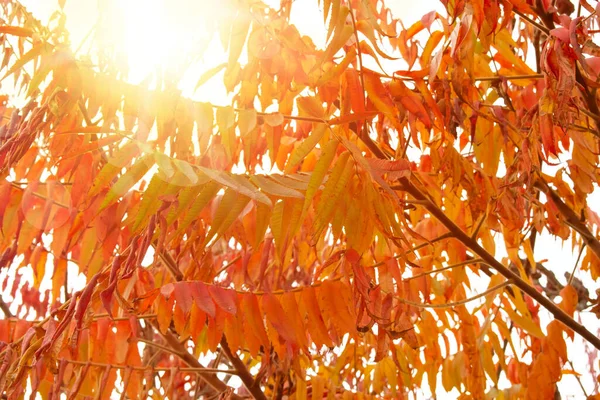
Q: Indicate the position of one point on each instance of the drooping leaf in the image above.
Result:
(127, 180)
(241, 186)
(230, 207)
(274, 188)
(319, 172)
(300, 152)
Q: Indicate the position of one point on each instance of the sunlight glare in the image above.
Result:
(156, 34)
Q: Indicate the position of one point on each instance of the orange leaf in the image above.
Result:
(277, 316)
(16, 31)
(290, 306)
(234, 331)
(569, 299)
(215, 329)
(316, 326)
(164, 312)
(254, 318)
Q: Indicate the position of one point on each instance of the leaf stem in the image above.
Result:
(456, 303)
(447, 267)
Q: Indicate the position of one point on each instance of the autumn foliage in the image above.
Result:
(336, 230)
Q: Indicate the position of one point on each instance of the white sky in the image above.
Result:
(152, 31)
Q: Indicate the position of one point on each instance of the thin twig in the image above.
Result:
(447, 267)
(537, 25)
(5, 309)
(575, 266)
(460, 235)
(229, 264)
(456, 303)
(156, 345)
(578, 380)
(181, 369)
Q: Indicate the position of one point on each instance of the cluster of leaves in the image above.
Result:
(345, 271)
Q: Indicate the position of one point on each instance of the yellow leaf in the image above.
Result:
(333, 73)
(504, 44)
(16, 31)
(309, 105)
(127, 180)
(205, 77)
(274, 188)
(367, 29)
(523, 322)
(239, 31)
(58, 277)
(208, 192)
(246, 121)
(319, 172)
(334, 188)
(41, 48)
(150, 202)
(301, 392)
(274, 119)
(318, 387)
(556, 339)
(300, 152)
(225, 122)
(230, 207)
(336, 8)
(111, 169)
(240, 185)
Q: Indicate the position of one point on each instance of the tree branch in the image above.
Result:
(556, 311)
(5, 309)
(179, 349)
(252, 385)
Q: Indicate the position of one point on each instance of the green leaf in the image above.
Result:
(319, 172)
(111, 169)
(338, 179)
(150, 202)
(230, 207)
(239, 184)
(127, 180)
(185, 198)
(209, 191)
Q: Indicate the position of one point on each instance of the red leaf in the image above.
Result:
(202, 298)
(224, 298)
(547, 133)
(183, 295)
(274, 312)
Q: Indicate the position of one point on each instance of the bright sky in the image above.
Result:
(153, 34)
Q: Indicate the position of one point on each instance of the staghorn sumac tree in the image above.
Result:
(333, 230)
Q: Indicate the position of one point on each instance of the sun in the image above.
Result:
(166, 35)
